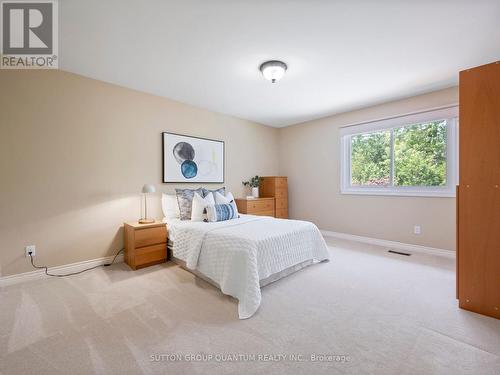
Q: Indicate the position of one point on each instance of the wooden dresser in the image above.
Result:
(276, 187)
(145, 244)
(257, 206)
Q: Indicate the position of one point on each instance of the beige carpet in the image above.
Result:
(387, 314)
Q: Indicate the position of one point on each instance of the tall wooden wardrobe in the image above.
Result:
(478, 193)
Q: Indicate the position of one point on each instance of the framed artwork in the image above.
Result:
(192, 159)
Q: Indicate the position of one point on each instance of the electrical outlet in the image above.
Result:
(30, 250)
(417, 229)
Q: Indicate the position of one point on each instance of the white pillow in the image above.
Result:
(220, 199)
(198, 212)
(170, 206)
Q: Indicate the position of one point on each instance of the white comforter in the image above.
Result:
(238, 253)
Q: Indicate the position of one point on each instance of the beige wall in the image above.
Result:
(309, 156)
(75, 152)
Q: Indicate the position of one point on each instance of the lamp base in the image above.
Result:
(146, 221)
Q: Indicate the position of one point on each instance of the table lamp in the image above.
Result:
(147, 189)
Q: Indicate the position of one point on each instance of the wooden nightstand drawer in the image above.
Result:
(150, 236)
(145, 244)
(151, 254)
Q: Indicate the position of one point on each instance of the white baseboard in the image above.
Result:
(79, 266)
(392, 244)
(67, 268)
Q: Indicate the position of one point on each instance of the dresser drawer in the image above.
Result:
(281, 192)
(280, 183)
(281, 203)
(150, 254)
(150, 236)
(282, 213)
(260, 205)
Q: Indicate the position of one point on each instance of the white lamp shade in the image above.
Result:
(148, 188)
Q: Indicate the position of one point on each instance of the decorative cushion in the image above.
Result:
(185, 201)
(198, 211)
(169, 206)
(221, 190)
(228, 199)
(223, 199)
(222, 212)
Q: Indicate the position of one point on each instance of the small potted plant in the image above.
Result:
(254, 183)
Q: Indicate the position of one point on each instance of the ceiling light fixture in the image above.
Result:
(273, 70)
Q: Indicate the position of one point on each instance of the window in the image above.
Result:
(409, 155)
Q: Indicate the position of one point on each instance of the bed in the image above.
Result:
(241, 255)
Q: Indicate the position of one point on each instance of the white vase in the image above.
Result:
(255, 192)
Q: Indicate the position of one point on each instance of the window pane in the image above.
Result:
(420, 154)
(371, 159)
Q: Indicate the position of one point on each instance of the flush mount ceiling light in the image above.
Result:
(273, 70)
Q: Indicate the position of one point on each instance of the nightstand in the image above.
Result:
(256, 206)
(145, 244)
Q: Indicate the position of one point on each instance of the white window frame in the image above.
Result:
(450, 114)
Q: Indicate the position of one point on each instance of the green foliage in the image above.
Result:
(371, 158)
(419, 156)
(254, 182)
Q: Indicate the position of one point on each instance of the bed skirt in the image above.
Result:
(268, 280)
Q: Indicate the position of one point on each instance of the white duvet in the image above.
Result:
(238, 253)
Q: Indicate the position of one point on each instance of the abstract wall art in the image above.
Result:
(192, 159)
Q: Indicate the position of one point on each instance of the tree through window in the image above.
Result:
(415, 157)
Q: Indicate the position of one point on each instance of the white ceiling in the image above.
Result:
(341, 54)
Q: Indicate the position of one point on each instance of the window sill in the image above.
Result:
(445, 193)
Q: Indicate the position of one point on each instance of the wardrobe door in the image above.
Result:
(478, 263)
(480, 124)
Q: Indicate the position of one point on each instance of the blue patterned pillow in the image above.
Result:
(222, 212)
